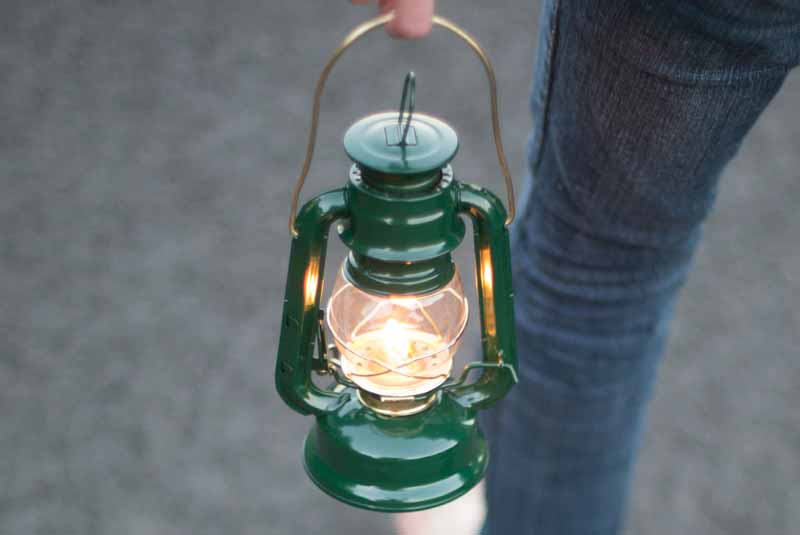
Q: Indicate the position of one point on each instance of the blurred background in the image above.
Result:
(147, 152)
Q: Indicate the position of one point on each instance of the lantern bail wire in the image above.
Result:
(357, 33)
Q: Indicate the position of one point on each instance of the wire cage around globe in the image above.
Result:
(397, 345)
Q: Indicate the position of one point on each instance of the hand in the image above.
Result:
(412, 18)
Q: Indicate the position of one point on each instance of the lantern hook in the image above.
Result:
(407, 101)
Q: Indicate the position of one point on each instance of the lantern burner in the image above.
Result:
(397, 406)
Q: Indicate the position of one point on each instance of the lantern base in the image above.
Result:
(397, 464)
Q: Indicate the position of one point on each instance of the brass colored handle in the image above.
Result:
(357, 33)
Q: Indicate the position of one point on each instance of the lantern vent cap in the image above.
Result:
(376, 143)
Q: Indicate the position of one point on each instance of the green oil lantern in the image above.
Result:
(395, 431)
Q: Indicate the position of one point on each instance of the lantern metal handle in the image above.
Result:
(357, 33)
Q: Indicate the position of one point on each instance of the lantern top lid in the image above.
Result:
(387, 143)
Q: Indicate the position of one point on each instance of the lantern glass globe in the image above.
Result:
(397, 345)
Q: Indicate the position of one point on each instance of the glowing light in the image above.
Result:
(486, 270)
(396, 342)
(397, 345)
(487, 286)
(312, 278)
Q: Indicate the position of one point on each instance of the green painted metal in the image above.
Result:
(404, 229)
(401, 185)
(300, 323)
(374, 142)
(400, 244)
(396, 464)
(495, 297)
(399, 278)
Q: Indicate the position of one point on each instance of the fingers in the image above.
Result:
(412, 18)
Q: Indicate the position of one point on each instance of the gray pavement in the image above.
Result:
(147, 150)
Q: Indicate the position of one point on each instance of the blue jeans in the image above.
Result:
(638, 106)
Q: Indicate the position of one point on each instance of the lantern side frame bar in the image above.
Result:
(301, 305)
(496, 299)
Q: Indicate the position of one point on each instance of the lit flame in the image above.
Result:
(396, 342)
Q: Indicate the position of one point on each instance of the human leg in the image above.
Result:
(638, 106)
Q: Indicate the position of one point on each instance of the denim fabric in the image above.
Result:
(637, 108)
